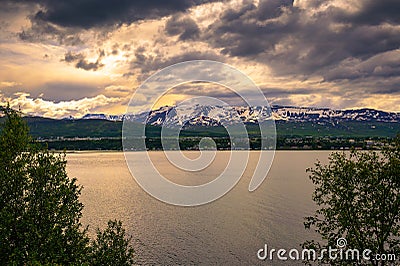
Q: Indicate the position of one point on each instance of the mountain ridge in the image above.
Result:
(289, 120)
(201, 115)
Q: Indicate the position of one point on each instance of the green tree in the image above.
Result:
(358, 199)
(106, 248)
(39, 206)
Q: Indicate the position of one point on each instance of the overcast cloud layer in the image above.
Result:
(62, 58)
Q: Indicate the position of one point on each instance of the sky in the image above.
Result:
(70, 58)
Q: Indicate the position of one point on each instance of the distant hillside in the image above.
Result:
(51, 128)
(207, 121)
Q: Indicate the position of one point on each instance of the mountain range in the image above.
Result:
(209, 120)
(201, 115)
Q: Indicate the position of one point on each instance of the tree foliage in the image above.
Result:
(111, 247)
(40, 209)
(358, 198)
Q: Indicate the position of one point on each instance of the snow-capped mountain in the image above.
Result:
(325, 114)
(202, 115)
(103, 117)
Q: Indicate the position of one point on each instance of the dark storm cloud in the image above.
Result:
(62, 22)
(183, 26)
(81, 62)
(98, 13)
(292, 41)
(272, 8)
(393, 89)
(151, 63)
(239, 32)
(384, 65)
(374, 13)
(43, 31)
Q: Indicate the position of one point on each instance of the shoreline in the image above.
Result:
(251, 150)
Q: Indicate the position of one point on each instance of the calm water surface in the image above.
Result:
(228, 231)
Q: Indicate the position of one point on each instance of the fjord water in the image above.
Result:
(228, 231)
